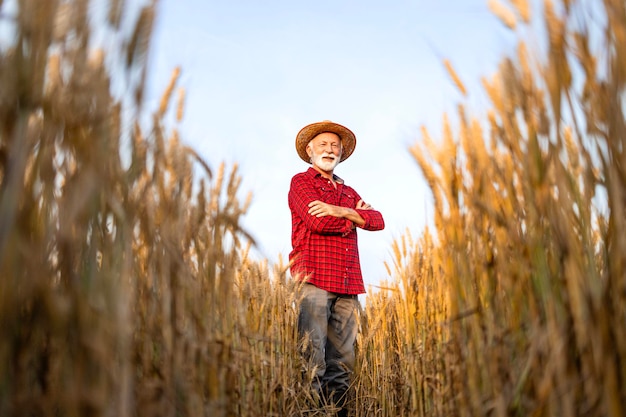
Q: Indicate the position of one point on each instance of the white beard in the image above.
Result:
(327, 166)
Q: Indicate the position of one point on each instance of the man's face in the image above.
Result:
(325, 151)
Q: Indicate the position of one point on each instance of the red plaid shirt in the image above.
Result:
(325, 249)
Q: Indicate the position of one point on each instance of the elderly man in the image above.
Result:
(326, 214)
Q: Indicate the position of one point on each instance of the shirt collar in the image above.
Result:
(315, 173)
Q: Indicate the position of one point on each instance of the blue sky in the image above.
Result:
(256, 72)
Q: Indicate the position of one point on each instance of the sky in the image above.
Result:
(256, 72)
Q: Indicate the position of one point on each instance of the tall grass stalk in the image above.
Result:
(126, 285)
(528, 207)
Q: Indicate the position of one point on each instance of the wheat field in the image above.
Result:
(126, 285)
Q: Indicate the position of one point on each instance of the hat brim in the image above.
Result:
(348, 139)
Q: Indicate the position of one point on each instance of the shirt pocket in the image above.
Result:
(327, 194)
(348, 200)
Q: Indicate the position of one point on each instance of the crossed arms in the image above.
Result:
(318, 208)
(307, 205)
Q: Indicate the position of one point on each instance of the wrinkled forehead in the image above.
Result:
(325, 137)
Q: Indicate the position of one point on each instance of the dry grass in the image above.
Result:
(127, 287)
(527, 213)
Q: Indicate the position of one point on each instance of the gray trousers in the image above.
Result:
(330, 321)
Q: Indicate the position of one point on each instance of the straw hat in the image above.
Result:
(348, 140)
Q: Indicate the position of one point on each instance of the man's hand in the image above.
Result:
(320, 209)
(362, 205)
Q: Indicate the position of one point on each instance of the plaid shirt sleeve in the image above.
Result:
(373, 219)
